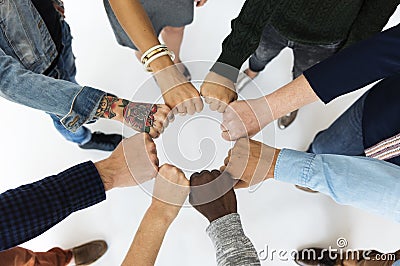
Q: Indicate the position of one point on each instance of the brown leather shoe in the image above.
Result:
(306, 189)
(89, 252)
(287, 120)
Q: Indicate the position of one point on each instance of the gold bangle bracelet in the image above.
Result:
(145, 54)
(154, 52)
(156, 56)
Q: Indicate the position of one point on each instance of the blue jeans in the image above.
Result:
(66, 70)
(305, 56)
(344, 136)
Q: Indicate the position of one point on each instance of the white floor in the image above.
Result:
(276, 216)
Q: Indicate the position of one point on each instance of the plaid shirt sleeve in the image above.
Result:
(30, 210)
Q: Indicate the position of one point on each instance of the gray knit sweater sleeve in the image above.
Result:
(232, 246)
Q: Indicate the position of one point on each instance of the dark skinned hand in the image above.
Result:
(212, 194)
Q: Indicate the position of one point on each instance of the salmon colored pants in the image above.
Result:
(24, 257)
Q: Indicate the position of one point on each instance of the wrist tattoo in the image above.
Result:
(139, 116)
(106, 107)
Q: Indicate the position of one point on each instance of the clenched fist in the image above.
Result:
(142, 117)
(170, 190)
(218, 91)
(212, 194)
(141, 157)
(133, 162)
(244, 119)
(251, 162)
(179, 94)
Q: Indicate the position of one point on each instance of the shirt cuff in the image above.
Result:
(84, 186)
(317, 80)
(226, 227)
(226, 69)
(83, 108)
(293, 167)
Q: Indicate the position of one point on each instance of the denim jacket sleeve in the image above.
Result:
(365, 183)
(75, 104)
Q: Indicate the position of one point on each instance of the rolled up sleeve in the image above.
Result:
(365, 183)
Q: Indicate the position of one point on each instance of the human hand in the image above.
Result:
(133, 162)
(218, 91)
(251, 162)
(212, 194)
(145, 117)
(245, 118)
(170, 191)
(179, 94)
(200, 3)
(142, 117)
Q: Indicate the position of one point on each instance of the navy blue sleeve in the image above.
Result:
(30, 210)
(357, 66)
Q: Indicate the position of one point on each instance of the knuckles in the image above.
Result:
(204, 172)
(204, 177)
(151, 146)
(154, 159)
(215, 173)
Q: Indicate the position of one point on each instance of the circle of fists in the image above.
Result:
(248, 163)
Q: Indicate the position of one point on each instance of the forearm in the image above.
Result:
(75, 104)
(137, 25)
(30, 210)
(148, 238)
(362, 182)
(245, 36)
(231, 244)
(290, 97)
(344, 72)
(139, 116)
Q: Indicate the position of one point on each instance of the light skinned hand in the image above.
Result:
(162, 118)
(142, 117)
(218, 91)
(244, 119)
(179, 94)
(145, 117)
(133, 162)
(251, 162)
(171, 189)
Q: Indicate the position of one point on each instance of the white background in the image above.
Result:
(277, 214)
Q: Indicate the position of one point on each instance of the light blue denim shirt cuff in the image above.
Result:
(83, 108)
(293, 167)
